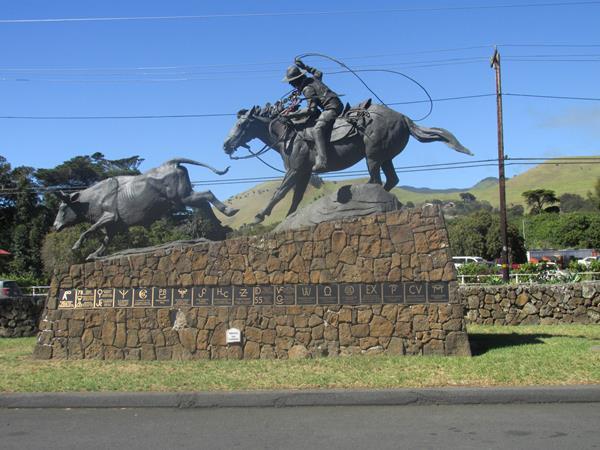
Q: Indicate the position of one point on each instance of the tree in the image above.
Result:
(83, 171)
(204, 224)
(594, 197)
(466, 208)
(515, 211)
(577, 230)
(467, 197)
(575, 203)
(478, 234)
(567, 230)
(7, 205)
(24, 254)
(537, 199)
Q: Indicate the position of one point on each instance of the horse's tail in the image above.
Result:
(196, 163)
(424, 134)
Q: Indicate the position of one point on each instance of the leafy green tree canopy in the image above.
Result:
(82, 171)
(575, 203)
(539, 199)
(478, 234)
(467, 197)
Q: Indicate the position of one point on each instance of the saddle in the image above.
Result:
(348, 124)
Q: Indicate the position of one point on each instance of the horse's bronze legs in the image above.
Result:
(299, 189)
(391, 178)
(289, 180)
(374, 171)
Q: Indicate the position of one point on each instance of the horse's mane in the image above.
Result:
(268, 110)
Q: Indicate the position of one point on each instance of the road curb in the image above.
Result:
(268, 399)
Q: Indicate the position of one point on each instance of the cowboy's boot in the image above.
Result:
(321, 148)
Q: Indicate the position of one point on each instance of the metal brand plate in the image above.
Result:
(327, 294)
(306, 294)
(222, 295)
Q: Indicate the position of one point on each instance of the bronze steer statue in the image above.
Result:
(119, 202)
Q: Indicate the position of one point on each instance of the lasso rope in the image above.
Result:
(288, 95)
(354, 72)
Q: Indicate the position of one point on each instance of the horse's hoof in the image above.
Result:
(319, 167)
(258, 219)
(76, 246)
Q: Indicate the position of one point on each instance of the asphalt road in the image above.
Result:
(544, 426)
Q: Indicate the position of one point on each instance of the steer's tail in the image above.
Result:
(196, 163)
(424, 134)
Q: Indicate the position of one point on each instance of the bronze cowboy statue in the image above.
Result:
(324, 106)
(342, 136)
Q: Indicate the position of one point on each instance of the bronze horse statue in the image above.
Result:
(383, 134)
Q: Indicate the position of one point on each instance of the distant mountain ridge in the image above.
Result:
(480, 184)
(572, 178)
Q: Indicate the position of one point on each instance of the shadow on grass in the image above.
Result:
(484, 342)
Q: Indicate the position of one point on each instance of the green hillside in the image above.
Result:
(572, 178)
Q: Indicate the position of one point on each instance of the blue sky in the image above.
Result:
(221, 64)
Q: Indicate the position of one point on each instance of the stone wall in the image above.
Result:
(19, 317)
(401, 247)
(268, 332)
(529, 304)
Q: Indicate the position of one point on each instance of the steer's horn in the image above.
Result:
(62, 196)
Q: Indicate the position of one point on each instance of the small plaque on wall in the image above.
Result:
(349, 294)
(123, 297)
(105, 298)
(327, 294)
(182, 296)
(84, 298)
(263, 295)
(284, 295)
(142, 297)
(66, 298)
(306, 294)
(393, 292)
(223, 296)
(242, 295)
(415, 292)
(162, 297)
(438, 292)
(202, 296)
(370, 293)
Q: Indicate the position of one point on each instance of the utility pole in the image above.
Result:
(501, 178)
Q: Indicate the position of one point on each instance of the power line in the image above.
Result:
(556, 97)
(164, 116)
(586, 160)
(218, 75)
(297, 13)
(192, 116)
(398, 170)
(560, 55)
(463, 97)
(230, 65)
(270, 63)
(551, 45)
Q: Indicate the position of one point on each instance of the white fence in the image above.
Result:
(36, 291)
(520, 278)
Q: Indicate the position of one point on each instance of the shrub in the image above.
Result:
(25, 280)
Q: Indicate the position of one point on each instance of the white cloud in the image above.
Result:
(583, 119)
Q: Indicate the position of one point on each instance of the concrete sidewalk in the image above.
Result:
(326, 397)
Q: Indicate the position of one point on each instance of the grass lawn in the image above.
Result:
(504, 356)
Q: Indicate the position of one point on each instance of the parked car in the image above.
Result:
(587, 262)
(9, 290)
(461, 260)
